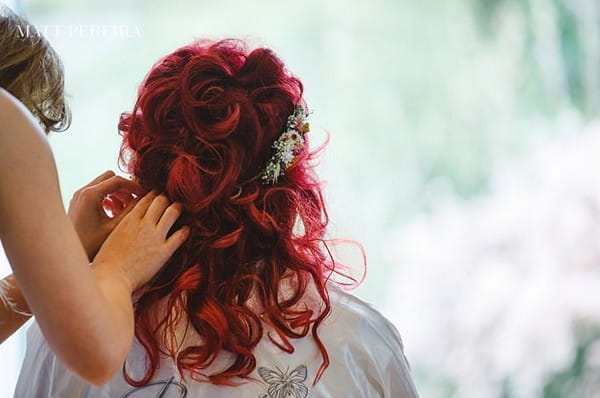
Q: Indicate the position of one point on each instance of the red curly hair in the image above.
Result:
(201, 129)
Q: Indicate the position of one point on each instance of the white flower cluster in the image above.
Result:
(287, 147)
(490, 293)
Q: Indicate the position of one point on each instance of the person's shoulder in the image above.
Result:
(367, 345)
(7, 100)
(18, 127)
(365, 321)
(14, 111)
(7, 103)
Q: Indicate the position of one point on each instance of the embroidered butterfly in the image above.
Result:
(283, 384)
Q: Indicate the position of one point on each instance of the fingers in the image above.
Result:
(122, 213)
(104, 176)
(116, 184)
(141, 208)
(157, 208)
(159, 211)
(176, 240)
(169, 217)
(123, 199)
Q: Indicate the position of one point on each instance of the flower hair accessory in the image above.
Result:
(287, 147)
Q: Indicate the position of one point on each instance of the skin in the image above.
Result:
(86, 212)
(85, 313)
(86, 209)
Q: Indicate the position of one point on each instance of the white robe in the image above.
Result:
(365, 351)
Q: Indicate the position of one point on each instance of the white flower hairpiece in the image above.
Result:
(287, 147)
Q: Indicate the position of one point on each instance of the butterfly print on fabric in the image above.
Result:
(284, 384)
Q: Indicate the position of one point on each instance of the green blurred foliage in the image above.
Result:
(573, 37)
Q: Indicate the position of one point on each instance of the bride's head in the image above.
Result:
(202, 132)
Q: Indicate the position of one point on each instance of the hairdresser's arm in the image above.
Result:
(93, 227)
(86, 315)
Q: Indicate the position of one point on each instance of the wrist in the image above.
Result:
(112, 275)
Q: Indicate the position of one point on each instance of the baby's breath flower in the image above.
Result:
(287, 147)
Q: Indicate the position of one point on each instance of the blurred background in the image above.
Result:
(463, 154)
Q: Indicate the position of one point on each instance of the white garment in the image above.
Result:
(365, 351)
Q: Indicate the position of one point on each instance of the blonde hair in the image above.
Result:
(31, 70)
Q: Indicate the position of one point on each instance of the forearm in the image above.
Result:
(14, 311)
(116, 293)
(48, 259)
(86, 317)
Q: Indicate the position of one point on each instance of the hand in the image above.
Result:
(87, 208)
(138, 247)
